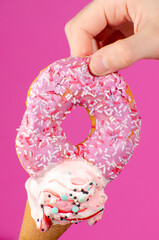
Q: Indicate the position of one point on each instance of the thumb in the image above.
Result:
(120, 54)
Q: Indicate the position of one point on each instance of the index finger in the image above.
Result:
(84, 27)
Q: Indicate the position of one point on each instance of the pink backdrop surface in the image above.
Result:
(32, 37)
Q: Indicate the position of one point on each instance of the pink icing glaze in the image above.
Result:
(45, 192)
(41, 142)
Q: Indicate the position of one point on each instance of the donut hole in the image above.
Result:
(77, 125)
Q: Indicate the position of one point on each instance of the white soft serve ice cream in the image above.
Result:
(71, 192)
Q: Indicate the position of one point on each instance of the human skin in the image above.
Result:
(117, 33)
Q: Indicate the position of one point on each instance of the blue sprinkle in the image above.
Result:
(75, 209)
(54, 210)
(64, 198)
(82, 199)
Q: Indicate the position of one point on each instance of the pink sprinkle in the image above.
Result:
(34, 168)
(42, 98)
(102, 90)
(38, 159)
(109, 132)
(51, 92)
(51, 73)
(20, 138)
(73, 74)
(54, 112)
(93, 85)
(38, 142)
(82, 101)
(92, 102)
(117, 131)
(27, 120)
(111, 143)
(59, 154)
(27, 140)
(26, 156)
(65, 99)
(101, 141)
(43, 145)
(134, 110)
(102, 122)
(116, 102)
(119, 137)
(39, 115)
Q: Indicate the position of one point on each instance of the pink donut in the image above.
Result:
(115, 120)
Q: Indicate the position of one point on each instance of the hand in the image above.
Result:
(116, 32)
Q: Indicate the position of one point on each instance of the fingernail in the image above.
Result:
(98, 66)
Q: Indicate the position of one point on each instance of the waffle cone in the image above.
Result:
(29, 230)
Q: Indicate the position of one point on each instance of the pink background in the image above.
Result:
(32, 37)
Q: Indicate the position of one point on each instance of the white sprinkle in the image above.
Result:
(25, 152)
(68, 96)
(103, 157)
(19, 144)
(74, 100)
(91, 112)
(76, 93)
(110, 128)
(44, 157)
(114, 153)
(41, 164)
(99, 106)
(55, 152)
(100, 150)
(107, 155)
(92, 160)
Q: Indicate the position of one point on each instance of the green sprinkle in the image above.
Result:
(75, 209)
(54, 210)
(72, 197)
(88, 189)
(64, 198)
(68, 173)
(82, 199)
(94, 183)
(86, 205)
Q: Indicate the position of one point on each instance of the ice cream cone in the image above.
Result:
(29, 230)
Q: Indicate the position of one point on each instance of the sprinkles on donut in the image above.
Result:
(41, 143)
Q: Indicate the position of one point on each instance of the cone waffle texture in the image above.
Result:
(29, 230)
